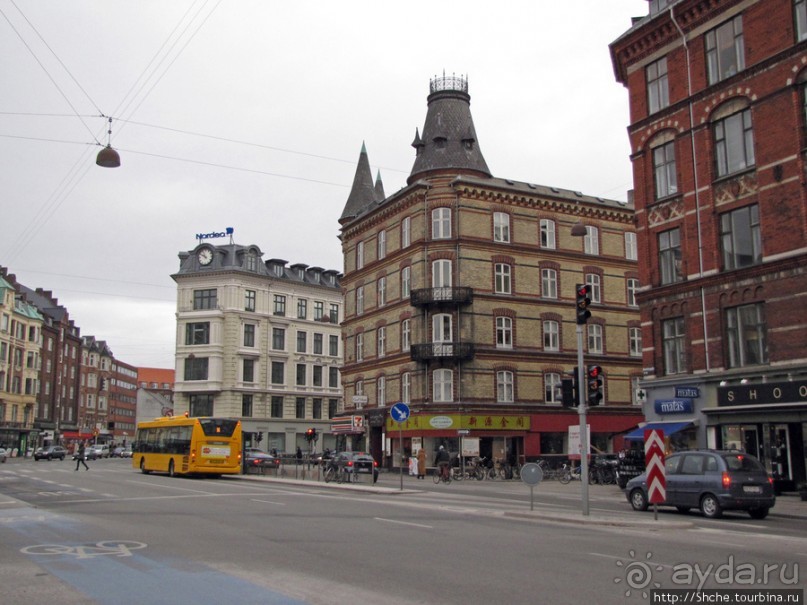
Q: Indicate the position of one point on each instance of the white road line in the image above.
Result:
(268, 502)
(404, 523)
(184, 489)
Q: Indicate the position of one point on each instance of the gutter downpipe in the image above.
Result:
(697, 188)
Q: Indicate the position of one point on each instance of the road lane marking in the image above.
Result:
(184, 489)
(403, 523)
(268, 502)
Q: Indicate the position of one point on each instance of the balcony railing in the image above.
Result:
(447, 295)
(442, 350)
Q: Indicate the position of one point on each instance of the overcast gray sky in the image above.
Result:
(252, 114)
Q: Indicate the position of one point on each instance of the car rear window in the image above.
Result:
(741, 462)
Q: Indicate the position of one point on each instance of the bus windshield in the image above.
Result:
(213, 427)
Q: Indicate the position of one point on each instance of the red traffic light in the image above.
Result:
(594, 371)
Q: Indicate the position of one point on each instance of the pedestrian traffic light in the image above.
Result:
(594, 385)
(583, 301)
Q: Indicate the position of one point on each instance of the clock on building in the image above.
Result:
(205, 256)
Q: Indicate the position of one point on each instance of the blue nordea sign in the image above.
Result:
(688, 392)
(673, 406)
(214, 234)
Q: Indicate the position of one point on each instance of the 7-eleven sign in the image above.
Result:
(654, 465)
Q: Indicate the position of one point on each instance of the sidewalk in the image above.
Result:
(389, 483)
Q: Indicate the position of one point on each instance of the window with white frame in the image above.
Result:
(595, 339)
(673, 345)
(443, 385)
(552, 383)
(594, 287)
(406, 282)
(635, 342)
(406, 387)
(441, 279)
(359, 255)
(501, 227)
(405, 335)
(549, 283)
(504, 386)
(442, 331)
(741, 237)
(658, 95)
(725, 50)
(591, 242)
(632, 285)
(441, 223)
(504, 333)
(382, 341)
(664, 171)
(406, 232)
(547, 227)
(746, 335)
(382, 244)
(800, 9)
(381, 384)
(382, 291)
(360, 346)
(359, 300)
(669, 256)
(502, 273)
(734, 143)
(631, 246)
(551, 335)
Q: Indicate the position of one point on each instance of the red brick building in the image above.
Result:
(717, 130)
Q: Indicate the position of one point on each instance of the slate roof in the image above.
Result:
(363, 192)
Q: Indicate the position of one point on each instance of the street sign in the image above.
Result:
(463, 432)
(399, 412)
(654, 464)
(531, 474)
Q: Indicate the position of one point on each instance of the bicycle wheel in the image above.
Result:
(478, 474)
(437, 476)
(565, 476)
(330, 473)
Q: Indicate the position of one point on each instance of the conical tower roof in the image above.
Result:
(363, 191)
(449, 138)
(379, 188)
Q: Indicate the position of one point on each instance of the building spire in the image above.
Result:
(363, 192)
(449, 139)
(379, 188)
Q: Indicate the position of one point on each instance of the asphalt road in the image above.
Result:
(113, 535)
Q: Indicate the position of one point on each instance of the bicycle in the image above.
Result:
(443, 474)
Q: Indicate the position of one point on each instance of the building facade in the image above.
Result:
(718, 113)
(20, 363)
(259, 341)
(460, 301)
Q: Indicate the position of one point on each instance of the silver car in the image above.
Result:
(711, 480)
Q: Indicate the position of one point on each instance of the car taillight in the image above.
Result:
(350, 463)
(375, 463)
(770, 480)
(726, 480)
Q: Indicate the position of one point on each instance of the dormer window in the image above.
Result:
(278, 270)
(440, 142)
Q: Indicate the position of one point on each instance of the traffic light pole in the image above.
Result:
(581, 410)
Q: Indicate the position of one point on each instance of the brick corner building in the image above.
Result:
(717, 131)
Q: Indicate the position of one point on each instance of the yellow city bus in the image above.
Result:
(182, 445)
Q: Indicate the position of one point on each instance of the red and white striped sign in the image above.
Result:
(654, 466)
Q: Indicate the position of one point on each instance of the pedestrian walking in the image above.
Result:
(82, 450)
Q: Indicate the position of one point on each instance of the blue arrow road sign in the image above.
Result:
(399, 412)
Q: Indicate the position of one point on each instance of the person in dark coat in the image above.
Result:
(82, 451)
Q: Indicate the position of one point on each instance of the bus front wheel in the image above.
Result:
(143, 466)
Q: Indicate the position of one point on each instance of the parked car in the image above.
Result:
(3, 454)
(256, 458)
(50, 452)
(711, 480)
(121, 452)
(101, 450)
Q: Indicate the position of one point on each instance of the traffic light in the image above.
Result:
(311, 435)
(259, 437)
(583, 301)
(594, 385)
(567, 393)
